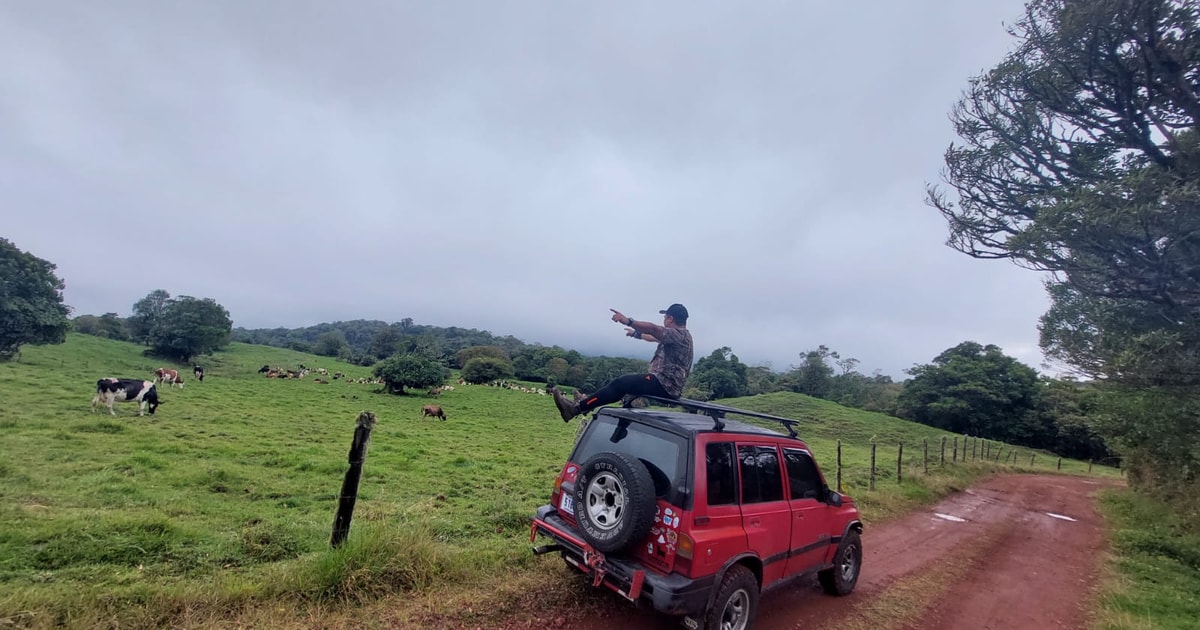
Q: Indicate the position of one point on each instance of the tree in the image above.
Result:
(486, 369)
(1080, 153)
(1081, 157)
(720, 375)
(813, 376)
(189, 326)
(466, 354)
(108, 325)
(31, 302)
(410, 370)
(976, 390)
(331, 344)
(147, 312)
(384, 343)
(761, 379)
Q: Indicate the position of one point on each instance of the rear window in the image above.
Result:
(663, 453)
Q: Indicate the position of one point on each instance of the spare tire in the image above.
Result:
(614, 501)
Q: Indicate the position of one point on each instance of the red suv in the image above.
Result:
(698, 513)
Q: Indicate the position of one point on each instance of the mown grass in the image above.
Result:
(1156, 577)
(224, 500)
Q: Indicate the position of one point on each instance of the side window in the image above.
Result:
(802, 474)
(761, 478)
(722, 479)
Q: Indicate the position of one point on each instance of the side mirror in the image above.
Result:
(834, 499)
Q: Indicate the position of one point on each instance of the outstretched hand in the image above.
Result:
(618, 316)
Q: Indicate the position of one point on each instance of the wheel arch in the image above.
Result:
(749, 560)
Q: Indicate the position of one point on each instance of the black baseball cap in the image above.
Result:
(677, 311)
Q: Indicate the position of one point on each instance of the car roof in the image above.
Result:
(690, 423)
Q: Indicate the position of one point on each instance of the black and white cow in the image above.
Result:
(199, 372)
(114, 390)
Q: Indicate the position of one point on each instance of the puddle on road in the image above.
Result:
(1065, 518)
(950, 517)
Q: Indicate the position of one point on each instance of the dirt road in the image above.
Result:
(1016, 551)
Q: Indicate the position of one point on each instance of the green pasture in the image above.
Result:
(1156, 578)
(226, 496)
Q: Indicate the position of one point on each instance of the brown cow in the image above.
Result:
(168, 376)
(433, 410)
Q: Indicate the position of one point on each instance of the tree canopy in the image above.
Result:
(719, 375)
(410, 370)
(31, 301)
(186, 326)
(485, 369)
(147, 312)
(975, 390)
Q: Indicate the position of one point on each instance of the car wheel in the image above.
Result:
(614, 501)
(736, 601)
(847, 563)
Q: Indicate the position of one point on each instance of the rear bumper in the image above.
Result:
(672, 594)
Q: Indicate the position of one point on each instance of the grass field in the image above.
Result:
(224, 500)
(1156, 573)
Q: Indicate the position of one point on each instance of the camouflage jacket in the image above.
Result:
(672, 361)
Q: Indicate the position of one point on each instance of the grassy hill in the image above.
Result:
(225, 498)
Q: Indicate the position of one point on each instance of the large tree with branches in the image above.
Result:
(1080, 156)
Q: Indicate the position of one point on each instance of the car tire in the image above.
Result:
(847, 564)
(736, 601)
(614, 501)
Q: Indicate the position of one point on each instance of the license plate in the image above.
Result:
(567, 504)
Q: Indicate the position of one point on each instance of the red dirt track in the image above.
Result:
(1017, 567)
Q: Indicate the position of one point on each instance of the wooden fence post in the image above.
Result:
(900, 463)
(955, 456)
(1031, 456)
(839, 466)
(943, 460)
(1060, 463)
(974, 444)
(999, 450)
(873, 445)
(925, 462)
(358, 454)
(1089, 466)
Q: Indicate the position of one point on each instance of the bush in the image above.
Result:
(486, 369)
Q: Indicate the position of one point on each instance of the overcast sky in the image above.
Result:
(514, 167)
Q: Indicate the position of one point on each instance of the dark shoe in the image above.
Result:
(579, 395)
(566, 408)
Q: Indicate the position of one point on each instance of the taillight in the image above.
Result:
(684, 546)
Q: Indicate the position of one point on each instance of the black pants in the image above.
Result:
(618, 388)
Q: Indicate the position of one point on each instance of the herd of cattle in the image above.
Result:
(279, 372)
(145, 393)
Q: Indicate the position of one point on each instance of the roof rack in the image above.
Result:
(717, 412)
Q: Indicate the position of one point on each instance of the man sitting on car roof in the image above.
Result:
(668, 371)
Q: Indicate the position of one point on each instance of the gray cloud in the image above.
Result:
(515, 168)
